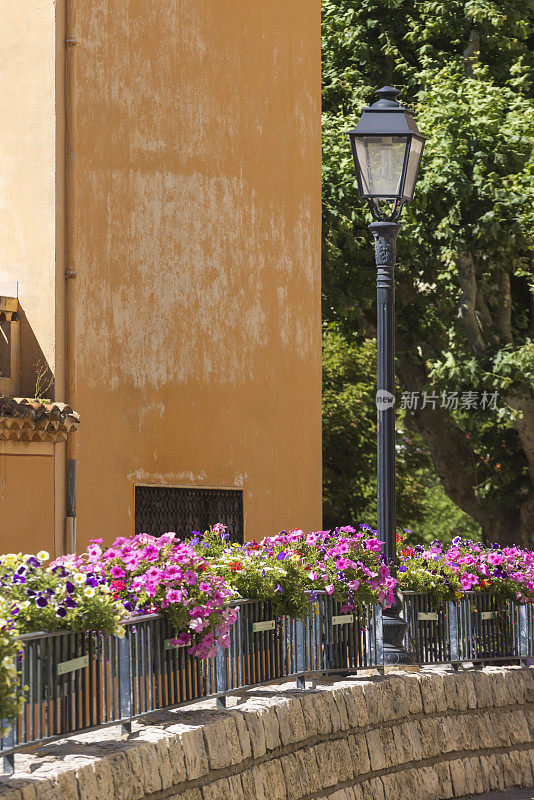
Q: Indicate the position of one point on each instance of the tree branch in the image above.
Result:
(467, 305)
(504, 317)
(485, 319)
(530, 330)
(524, 425)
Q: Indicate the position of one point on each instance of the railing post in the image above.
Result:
(378, 631)
(8, 741)
(125, 684)
(220, 676)
(300, 645)
(523, 634)
(452, 621)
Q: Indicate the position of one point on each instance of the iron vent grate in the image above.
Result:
(159, 509)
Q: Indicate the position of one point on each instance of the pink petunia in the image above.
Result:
(117, 572)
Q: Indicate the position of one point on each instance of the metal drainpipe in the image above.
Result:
(70, 265)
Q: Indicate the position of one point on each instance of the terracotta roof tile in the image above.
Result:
(30, 420)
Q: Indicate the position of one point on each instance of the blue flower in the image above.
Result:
(70, 587)
(278, 588)
(61, 611)
(281, 556)
(70, 602)
(42, 602)
(33, 562)
(403, 568)
(91, 581)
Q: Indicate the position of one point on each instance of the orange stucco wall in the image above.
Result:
(198, 168)
(26, 498)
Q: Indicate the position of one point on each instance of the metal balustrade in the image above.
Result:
(475, 628)
(75, 682)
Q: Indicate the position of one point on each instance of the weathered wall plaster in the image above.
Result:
(196, 180)
(198, 201)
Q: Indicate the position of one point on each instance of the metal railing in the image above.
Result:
(475, 628)
(75, 682)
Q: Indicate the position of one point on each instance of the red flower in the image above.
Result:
(235, 566)
(407, 552)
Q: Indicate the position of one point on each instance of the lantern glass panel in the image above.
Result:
(416, 149)
(381, 161)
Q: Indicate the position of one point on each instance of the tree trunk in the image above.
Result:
(461, 472)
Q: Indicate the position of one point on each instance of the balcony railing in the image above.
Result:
(75, 682)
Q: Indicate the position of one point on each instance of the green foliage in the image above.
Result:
(349, 451)
(439, 518)
(465, 296)
(349, 437)
(10, 688)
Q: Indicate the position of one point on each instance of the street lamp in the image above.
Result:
(387, 147)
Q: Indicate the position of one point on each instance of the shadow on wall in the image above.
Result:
(36, 377)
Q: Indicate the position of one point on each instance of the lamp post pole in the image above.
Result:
(385, 235)
(387, 147)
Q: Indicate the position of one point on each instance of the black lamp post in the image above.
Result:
(387, 147)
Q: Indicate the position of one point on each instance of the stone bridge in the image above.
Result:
(423, 736)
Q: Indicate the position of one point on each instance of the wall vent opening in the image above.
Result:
(159, 509)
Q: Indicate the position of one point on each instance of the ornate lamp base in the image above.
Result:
(394, 632)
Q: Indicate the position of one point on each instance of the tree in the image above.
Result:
(349, 451)
(465, 279)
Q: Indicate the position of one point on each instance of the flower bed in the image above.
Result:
(446, 573)
(194, 583)
(149, 574)
(288, 569)
(58, 596)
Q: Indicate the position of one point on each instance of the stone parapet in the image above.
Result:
(423, 736)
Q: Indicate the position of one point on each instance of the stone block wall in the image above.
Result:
(422, 736)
